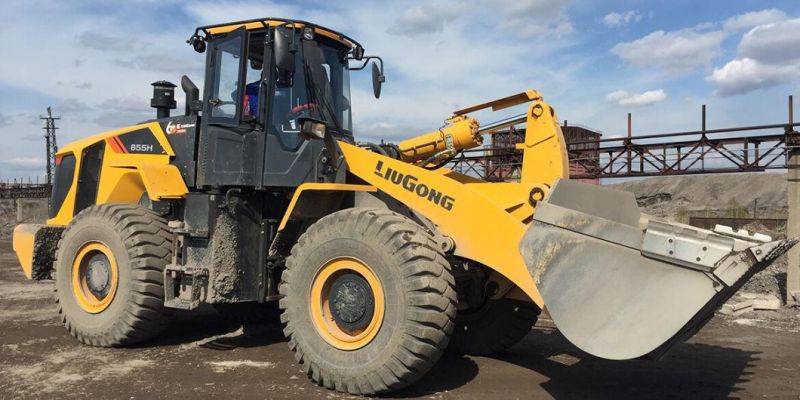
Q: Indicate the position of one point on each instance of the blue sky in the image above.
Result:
(594, 61)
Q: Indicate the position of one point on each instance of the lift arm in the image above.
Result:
(544, 150)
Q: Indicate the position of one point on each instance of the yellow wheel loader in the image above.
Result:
(376, 258)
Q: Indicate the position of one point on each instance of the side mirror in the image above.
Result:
(377, 80)
(282, 53)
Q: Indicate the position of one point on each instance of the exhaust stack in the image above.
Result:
(163, 98)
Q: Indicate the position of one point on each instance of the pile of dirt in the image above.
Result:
(772, 280)
(8, 218)
(15, 211)
(666, 197)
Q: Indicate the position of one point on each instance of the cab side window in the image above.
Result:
(225, 99)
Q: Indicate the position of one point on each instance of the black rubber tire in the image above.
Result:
(250, 312)
(495, 327)
(414, 275)
(141, 243)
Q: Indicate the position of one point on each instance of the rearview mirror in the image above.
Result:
(312, 129)
(377, 80)
(282, 53)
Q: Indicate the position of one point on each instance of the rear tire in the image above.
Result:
(392, 272)
(497, 326)
(109, 274)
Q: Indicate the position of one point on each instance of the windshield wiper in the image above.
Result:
(313, 90)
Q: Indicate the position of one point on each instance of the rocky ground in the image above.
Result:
(748, 355)
(203, 356)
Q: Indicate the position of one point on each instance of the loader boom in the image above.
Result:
(450, 200)
(544, 150)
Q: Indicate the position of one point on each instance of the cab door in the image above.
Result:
(290, 160)
(228, 144)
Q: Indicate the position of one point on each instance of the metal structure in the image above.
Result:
(50, 142)
(24, 190)
(501, 161)
(737, 149)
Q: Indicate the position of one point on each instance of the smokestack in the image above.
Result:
(163, 98)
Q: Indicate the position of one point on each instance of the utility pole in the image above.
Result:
(755, 208)
(50, 142)
(793, 201)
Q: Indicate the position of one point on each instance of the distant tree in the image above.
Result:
(735, 210)
(682, 215)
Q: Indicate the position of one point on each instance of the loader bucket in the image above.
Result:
(620, 284)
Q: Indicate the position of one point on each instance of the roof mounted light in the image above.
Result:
(308, 33)
(358, 53)
(197, 42)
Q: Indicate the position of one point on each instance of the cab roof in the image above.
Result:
(209, 31)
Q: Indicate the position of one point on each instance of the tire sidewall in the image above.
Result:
(92, 229)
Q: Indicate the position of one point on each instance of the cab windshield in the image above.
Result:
(319, 89)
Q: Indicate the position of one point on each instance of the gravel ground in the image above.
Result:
(202, 356)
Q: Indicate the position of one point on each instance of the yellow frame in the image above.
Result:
(125, 177)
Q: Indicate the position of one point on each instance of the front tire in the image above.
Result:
(109, 274)
(369, 302)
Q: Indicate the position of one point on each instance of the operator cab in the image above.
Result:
(270, 87)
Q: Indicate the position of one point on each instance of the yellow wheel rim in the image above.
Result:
(324, 293)
(94, 277)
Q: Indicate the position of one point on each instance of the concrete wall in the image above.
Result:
(16, 211)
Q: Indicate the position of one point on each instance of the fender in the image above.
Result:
(132, 161)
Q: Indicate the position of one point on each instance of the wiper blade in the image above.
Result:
(314, 92)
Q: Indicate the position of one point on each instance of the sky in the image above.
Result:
(93, 62)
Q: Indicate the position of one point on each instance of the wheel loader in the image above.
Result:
(375, 257)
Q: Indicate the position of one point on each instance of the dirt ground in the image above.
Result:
(202, 356)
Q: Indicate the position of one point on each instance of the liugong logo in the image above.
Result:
(410, 183)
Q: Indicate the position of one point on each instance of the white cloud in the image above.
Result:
(774, 42)
(5, 120)
(754, 18)
(675, 51)
(72, 106)
(103, 42)
(24, 162)
(744, 75)
(625, 98)
(767, 55)
(616, 19)
(533, 17)
(426, 18)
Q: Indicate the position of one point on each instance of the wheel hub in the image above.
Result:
(94, 277)
(352, 302)
(347, 303)
(98, 275)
